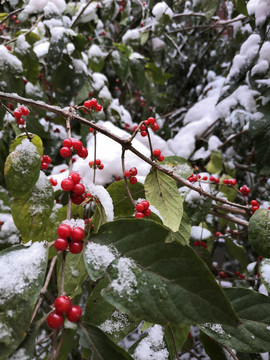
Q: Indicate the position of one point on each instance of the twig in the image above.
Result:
(200, 60)
(10, 14)
(44, 289)
(124, 143)
(230, 218)
(174, 343)
(28, 31)
(229, 351)
(177, 48)
(125, 179)
(90, 340)
(59, 345)
(230, 138)
(230, 209)
(80, 14)
(63, 267)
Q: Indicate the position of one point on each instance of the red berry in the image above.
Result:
(226, 181)
(133, 180)
(44, 166)
(93, 103)
(55, 320)
(222, 274)
(75, 247)
(78, 189)
(87, 103)
(53, 181)
(46, 159)
(62, 304)
(75, 177)
(205, 178)
(156, 152)
(161, 158)
(17, 21)
(145, 204)
(218, 234)
(98, 162)
(67, 184)
(77, 234)
(143, 133)
(83, 152)
(127, 174)
(77, 144)
(233, 182)
(151, 120)
(65, 152)
(67, 143)
(24, 110)
(133, 171)
(254, 203)
(61, 244)
(101, 167)
(77, 199)
(143, 127)
(255, 208)
(139, 215)
(74, 314)
(17, 113)
(140, 207)
(64, 231)
(155, 127)
(147, 212)
(9, 47)
(99, 108)
(91, 163)
(14, 17)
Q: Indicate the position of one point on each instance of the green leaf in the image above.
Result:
(160, 278)
(183, 234)
(144, 36)
(32, 37)
(161, 192)
(27, 347)
(36, 140)
(31, 212)
(259, 232)
(241, 7)
(99, 217)
(75, 274)
(177, 339)
(55, 52)
(209, 7)
(212, 348)
(120, 64)
(97, 310)
(30, 64)
(180, 166)
(121, 202)
(68, 344)
(84, 93)
(138, 72)
(79, 42)
(22, 169)
(123, 48)
(236, 251)
(102, 347)
(22, 274)
(253, 333)
(158, 76)
(215, 166)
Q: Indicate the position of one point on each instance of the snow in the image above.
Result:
(39, 5)
(160, 9)
(99, 80)
(199, 233)
(24, 154)
(95, 52)
(265, 270)
(22, 45)
(99, 256)
(41, 48)
(24, 265)
(33, 90)
(39, 194)
(20, 355)
(9, 234)
(117, 322)
(126, 281)
(89, 13)
(104, 197)
(74, 223)
(248, 52)
(131, 36)
(9, 61)
(259, 8)
(152, 346)
(51, 10)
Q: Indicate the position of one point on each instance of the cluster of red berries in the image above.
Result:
(19, 112)
(142, 209)
(2, 28)
(222, 274)
(122, 5)
(232, 182)
(255, 205)
(45, 162)
(92, 104)
(14, 19)
(63, 305)
(75, 144)
(200, 243)
(150, 122)
(72, 183)
(241, 276)
(157, 154)
(244, 190)
(99, 164)
(131, 175)
(70, 238)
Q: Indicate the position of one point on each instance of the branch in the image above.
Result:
(230, 218)
(126, 144)
(80, 14)
(10, 14)
(44, 289)
(174, 343)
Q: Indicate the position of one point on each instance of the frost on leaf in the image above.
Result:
(125, 283)
(117, 322)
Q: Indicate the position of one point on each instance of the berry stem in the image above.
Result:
(125, 179)
(150, 143)
(44, 289)
(174, 343)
